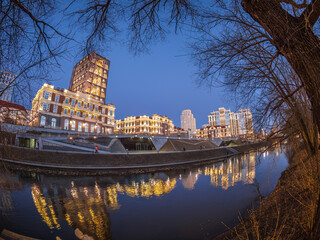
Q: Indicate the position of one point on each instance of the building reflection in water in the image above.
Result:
(85, 205)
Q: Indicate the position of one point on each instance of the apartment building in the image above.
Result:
(188, 122)
(145, 125)
(68, 110)
(224, 124)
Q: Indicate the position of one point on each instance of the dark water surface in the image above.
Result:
(181, 204)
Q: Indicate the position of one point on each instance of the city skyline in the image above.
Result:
(129, 83)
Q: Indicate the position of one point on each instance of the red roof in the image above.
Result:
(11, 105)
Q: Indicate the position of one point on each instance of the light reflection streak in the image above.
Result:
(87, 207)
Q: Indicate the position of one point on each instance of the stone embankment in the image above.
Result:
(26, 157)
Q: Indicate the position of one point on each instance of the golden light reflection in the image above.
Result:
(86, 207)
(45, 210)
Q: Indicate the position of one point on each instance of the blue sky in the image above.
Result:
(162, 81)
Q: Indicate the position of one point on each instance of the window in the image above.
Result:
(110, 112)
(96, 108)
(43, 121)
(92, 128)
(78, 114)
(84, 115)
(71, 112)
(45, 106)
(67, 100)
(73, 125)
(55, 109)
(103, 110)
(73, 102)
(102, 119)
(65, 111)
(46, 95)
(66, 124)
(85, 105)
(89, 116)
(102, 129)
(95, 117)
(98, 129)
(79, 127)
(79, 104)
(56, 99)
(86, 127)
(53, 122)
(91, 107)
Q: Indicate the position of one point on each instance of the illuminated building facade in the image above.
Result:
(145, 125)
(5, 79)
(90, 76)
(188, 122)
(75, 111)
(245, 122)
(224, 124)
(221, 123)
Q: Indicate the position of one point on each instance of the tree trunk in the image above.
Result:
(295, 40)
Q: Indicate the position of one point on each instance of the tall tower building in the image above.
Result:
(188, 122)
(90, 76)
(245, 122)
(5, 80)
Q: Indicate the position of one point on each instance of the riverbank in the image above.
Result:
(287, 213)
(91, 163)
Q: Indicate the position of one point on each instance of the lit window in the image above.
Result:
(73, 125)
(92, 128)
(89, 116)
(79, 126)
(53, 122)
(86, 127)
(43, 121)
(66, 124)
(102, 119)
(46, 95)
(45, 106)
(56, 99)
(55, 109)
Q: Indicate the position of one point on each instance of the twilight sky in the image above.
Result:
(162, 81)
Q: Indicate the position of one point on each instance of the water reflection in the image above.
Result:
(84, 203)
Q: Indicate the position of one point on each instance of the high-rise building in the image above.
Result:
(224, 123)
(245, 122)
(90, 76)
(188, 122)
(5, 79)
(221, 121)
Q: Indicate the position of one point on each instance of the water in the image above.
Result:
(195, 203)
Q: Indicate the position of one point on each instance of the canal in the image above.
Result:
(192, 203)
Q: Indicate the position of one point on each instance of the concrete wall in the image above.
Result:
(112, 160)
